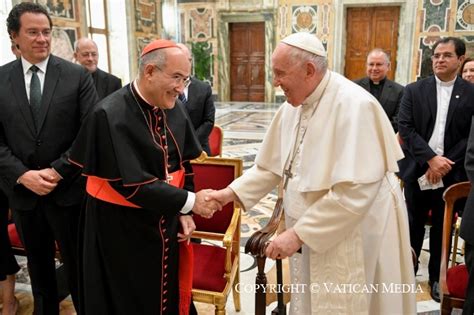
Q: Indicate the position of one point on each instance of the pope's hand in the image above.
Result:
(223, 196)
(205, 206)
(284, 245)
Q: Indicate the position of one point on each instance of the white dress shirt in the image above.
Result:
(27, 73)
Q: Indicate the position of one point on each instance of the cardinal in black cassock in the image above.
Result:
(135, 150)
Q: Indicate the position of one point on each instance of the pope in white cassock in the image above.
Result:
(334, 149)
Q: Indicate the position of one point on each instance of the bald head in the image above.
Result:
(86, 53)
(378, 64)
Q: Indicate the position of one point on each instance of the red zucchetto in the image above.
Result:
(157, 44)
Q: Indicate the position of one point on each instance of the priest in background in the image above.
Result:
(333, 150)
(387, 92)
(87, 54)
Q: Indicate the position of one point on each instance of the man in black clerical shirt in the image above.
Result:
(388, 93)
(87, 54)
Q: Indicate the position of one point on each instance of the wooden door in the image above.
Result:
(247, 61)
(368, 28)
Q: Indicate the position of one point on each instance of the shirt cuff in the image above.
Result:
(18, 181)
(189, 204)
(57, 173)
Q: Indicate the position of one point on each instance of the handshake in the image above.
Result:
(209, 201)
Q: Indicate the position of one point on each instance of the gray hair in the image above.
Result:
(156, 57)
(379, 51)
(301, 56)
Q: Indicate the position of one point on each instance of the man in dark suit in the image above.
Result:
(8, 264)
(43, 100)
(434, 122)
(388, 93)
(197, 99)
(467, 227)
(87, 54)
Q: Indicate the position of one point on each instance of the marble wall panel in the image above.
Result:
(304, 18)
(147, 25)
(435, 15)
(64, 9)
(201, 23)
(198, 24)
(424, 60)
(465, 16)
(469, 40)
(146, 16)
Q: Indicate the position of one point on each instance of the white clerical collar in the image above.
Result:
(318, 92)
(445, 83)
(41, 65)
(135, 85)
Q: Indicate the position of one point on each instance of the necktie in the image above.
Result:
(182, 98)
(35, 94)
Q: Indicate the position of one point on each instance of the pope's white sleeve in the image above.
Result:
(331, 218)
(253, 185)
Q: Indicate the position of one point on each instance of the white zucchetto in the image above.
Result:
(306, 41)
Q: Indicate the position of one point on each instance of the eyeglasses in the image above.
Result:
(178, 78)
(87, 54)
(444, 56)
(36, 33)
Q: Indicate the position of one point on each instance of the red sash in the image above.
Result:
(101, 189)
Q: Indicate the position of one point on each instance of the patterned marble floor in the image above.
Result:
(244, 126)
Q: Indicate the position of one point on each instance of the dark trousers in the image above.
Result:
(8, 265)
(419, 203)
(468, 308)
(39, 228)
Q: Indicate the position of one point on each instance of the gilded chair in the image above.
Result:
(453, 280)
(217, 257)
(17, 245)
(215, 141)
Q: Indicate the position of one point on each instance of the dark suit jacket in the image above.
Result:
(201, 110)
(105, 83)
(68, 94)
(416, 122)
(467, 223)
(390, 98)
